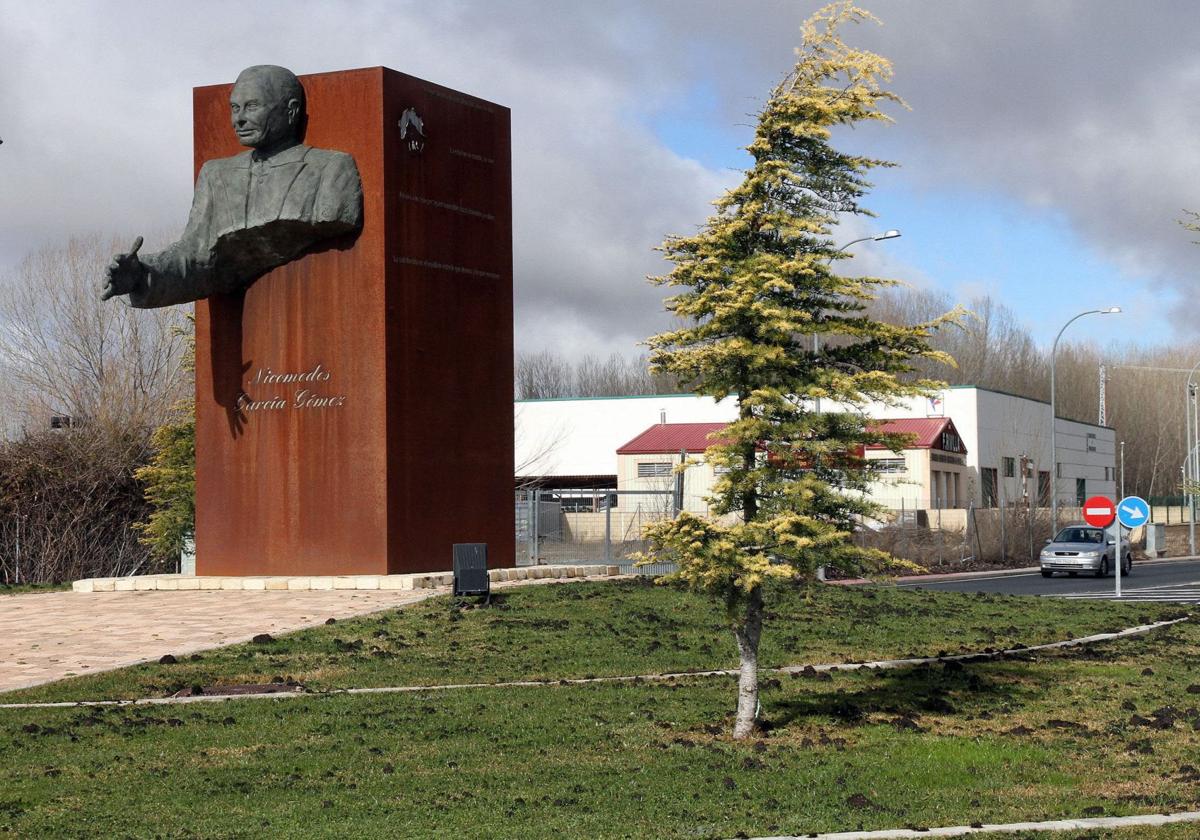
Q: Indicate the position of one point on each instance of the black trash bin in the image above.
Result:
(470, 569)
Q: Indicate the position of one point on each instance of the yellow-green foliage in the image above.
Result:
(755, 285)
(1194, 224)
(170, 477)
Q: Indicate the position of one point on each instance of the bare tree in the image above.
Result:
(535, 451)
(62, 352)
(543, 375)
(546, 375)
(990, 347)
(69, 493)
(67, 500)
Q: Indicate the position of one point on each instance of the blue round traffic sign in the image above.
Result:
(1133, 511)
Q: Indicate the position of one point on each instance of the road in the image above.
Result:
(1175, 581)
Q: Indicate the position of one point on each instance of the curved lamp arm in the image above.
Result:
(1112, 310)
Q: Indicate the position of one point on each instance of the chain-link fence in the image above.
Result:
(585, 526)
(604, 527)
(962, 539)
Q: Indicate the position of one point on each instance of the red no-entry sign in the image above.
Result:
(1099, 511)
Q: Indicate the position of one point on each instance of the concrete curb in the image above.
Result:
(1004, 828)
(883, 664)
(307, 583)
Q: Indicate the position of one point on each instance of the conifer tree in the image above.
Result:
(170, 478)
(757, 282)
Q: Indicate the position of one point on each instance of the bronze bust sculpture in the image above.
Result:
(252, 212)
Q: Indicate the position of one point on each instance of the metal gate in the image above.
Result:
(589, 526)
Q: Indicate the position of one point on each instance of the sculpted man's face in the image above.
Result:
(262, 118)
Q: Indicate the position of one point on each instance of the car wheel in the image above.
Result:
(1047, 573)
(1128, 566)
(1102, 571)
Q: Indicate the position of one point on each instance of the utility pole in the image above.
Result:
(1122, 469)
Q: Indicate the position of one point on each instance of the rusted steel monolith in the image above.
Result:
(354, 407)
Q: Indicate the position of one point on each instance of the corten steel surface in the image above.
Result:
(412, 320)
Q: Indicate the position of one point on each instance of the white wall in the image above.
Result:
(994, 426)
(698, 479)
(581, 436)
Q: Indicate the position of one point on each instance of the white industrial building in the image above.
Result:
(1003, 456)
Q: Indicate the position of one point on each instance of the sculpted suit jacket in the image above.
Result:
(251, 216)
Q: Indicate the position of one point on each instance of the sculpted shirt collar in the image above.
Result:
(292, 154)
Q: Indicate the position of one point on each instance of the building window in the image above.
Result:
(1080, 491)
(951, 442)
(1091, 441)
(889, 466)
(1044, 488)
(989, 486)
(654, 470)
(1010, 467)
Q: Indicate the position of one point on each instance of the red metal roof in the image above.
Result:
(672, 437)
(927, 430)
(665, 438)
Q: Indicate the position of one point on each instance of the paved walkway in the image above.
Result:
(49, 636)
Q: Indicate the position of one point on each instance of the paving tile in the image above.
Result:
(49, 636)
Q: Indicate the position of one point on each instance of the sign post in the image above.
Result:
(1132, 512)
(1099, 512)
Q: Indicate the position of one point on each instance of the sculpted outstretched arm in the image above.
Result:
(181, 272)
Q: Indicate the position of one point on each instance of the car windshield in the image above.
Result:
(1080, 535)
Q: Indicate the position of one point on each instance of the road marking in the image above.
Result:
(1166, 594)
(1143, 564)
(1177, 585)
(964, 580)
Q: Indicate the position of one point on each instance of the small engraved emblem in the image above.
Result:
(412, 129)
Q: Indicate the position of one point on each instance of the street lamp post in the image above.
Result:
(1112, 310)
(887, 234)
(1122, 469)
(1189, 471)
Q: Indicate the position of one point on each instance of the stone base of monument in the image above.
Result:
(307, 583)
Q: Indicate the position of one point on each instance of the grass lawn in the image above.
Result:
(28, 588)
(1107, 730)
(557, 631)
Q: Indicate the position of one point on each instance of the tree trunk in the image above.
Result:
(748, 633)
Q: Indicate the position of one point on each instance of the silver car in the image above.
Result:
(1082, 548)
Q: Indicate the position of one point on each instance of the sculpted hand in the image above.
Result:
(125, 273)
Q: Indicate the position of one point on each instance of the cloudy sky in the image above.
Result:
(1050, 149)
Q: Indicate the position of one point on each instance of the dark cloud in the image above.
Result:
(1089, 109)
